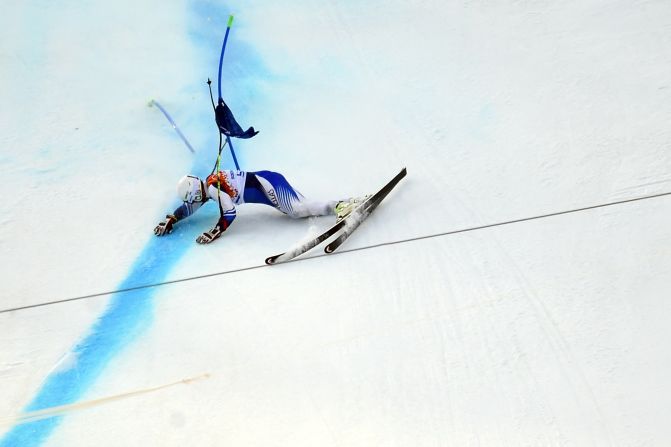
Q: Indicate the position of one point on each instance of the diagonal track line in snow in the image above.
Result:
(382, 244)
(68, 408)
(508, 222)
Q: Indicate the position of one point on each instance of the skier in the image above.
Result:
(230, 188)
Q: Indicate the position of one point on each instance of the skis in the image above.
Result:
(349, 224)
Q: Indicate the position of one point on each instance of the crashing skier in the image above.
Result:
(231, 188)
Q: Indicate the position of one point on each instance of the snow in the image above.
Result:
(546, 332)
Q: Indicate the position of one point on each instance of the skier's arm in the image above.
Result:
(182, 212)
(225, 220)
(186, 209)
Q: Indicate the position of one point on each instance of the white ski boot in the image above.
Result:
(344, 207)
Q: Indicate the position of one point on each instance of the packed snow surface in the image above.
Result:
(545, 331)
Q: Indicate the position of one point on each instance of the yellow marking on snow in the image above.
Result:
(63, 409)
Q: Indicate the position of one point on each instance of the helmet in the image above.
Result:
(189, 189)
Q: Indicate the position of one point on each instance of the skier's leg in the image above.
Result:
(280, 194)
(307, 208)
(254, 192)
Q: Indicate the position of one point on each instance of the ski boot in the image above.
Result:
(344, 207)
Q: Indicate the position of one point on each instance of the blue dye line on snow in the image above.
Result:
(128, 314)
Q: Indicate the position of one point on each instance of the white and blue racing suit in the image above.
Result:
(231, 188)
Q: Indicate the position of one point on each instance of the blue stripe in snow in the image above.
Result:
(127, 315)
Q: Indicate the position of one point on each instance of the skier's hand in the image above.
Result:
(165, 227)
(209, 236)
(215, 232)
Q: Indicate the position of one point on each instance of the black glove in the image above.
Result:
(165, 227)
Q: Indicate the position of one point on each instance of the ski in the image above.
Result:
(361, 213)
(288, 255)
(371, 202)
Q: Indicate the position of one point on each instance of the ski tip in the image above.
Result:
(150, 103)
(271, 260)
(230, 21)
(328, 249)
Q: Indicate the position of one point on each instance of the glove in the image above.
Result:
(209, 236)
(214, 233)
(165, 227)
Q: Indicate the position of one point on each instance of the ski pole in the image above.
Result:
(174, 126)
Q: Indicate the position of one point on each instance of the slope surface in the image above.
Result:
(544, 332)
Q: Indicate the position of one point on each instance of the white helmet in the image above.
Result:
(189, 189)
